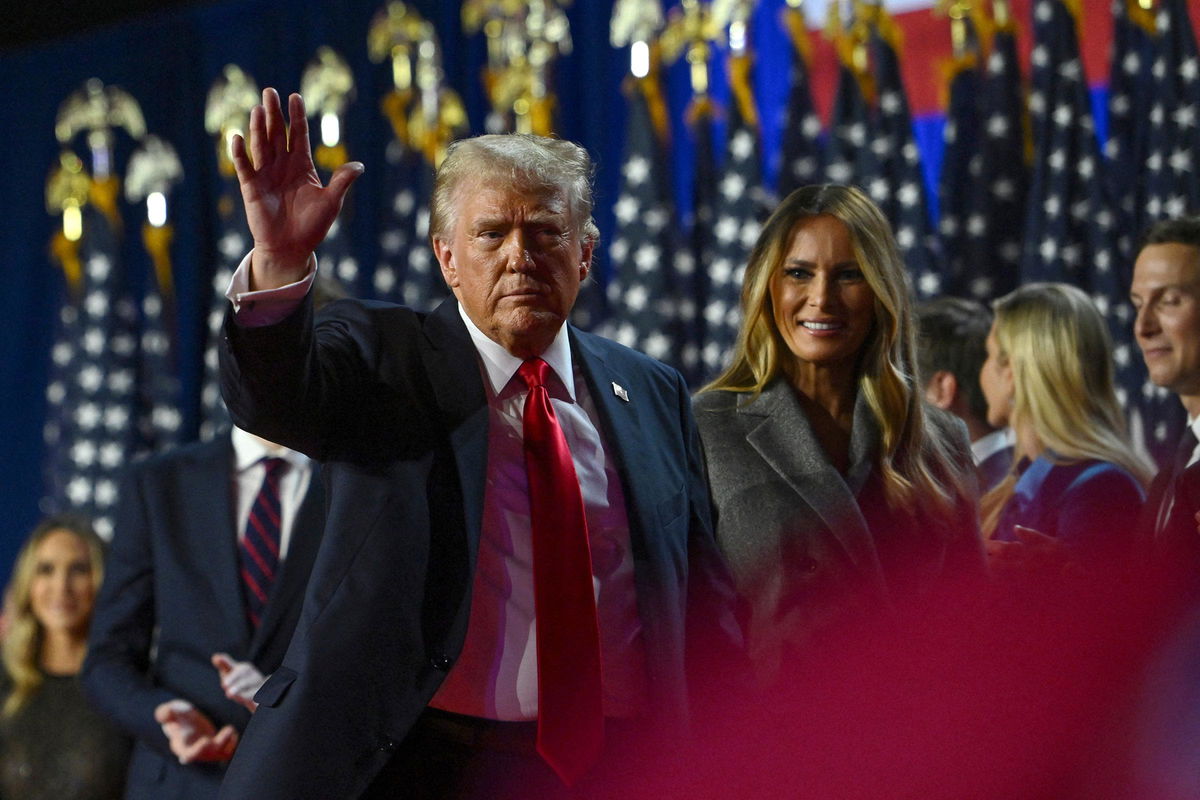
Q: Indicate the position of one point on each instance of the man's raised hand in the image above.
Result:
(288, 210)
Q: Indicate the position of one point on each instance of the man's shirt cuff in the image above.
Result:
(266, 306)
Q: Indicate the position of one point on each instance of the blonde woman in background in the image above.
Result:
(835, 486)
(52, 744)
(1049, 374)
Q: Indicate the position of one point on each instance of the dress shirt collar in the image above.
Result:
(994, 442)
(501, 365)
(1194, 424)
(249, 449)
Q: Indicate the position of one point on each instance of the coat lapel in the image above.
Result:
(452, 365)
(215, 524)
(620, 424)
(289, 586)
(781, 434)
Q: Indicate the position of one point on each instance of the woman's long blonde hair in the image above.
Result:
(916, 467)
(22, 647)
(1057, 345)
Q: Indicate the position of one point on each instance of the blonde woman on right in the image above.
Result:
(1076, 477)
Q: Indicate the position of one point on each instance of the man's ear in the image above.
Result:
(445, 259)
(585, 266)
(942, 389)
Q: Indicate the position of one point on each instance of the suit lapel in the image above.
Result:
(215, 521)
(620, 424)
(781, 434)
(453, 369)
(288, 588)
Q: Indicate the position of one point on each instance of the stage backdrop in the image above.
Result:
(168, 63)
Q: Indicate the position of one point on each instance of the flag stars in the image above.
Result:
(636, 297)
(106, 493)
(726, 229)
(733, 186)
(79, 491)
(93, 341)
(636, 170)
(99, 266)
(87, 416)
(1185, 117)
(116, 418)
(647, 258)
(976, 225)
(997, 126)
(90, 378)
(83, 453)
(625, 209)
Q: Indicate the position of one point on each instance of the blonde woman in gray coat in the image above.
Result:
(837, 490)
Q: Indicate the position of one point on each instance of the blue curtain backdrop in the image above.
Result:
(168, 62)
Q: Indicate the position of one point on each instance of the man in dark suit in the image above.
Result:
(176, 649)
(1166, 295)
(950, 353)
(428, 661)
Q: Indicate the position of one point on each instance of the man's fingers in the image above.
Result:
(298, 127)
(223, 663)
(172, 711)
(258, 137)
(343, 176)
(276, 143)
(241, 161)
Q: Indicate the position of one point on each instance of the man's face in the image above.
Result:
(1166, 295)
(514, 259)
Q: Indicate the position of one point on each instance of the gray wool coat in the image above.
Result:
(811, 547)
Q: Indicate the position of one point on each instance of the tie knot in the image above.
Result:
(274, 466)
(534, 372)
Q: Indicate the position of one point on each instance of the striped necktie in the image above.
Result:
(260, 543)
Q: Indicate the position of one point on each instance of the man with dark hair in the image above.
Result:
(518, 552)
(950, 353)
(1166, 295)
(213, 546)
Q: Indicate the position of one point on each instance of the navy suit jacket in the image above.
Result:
(172, 596)
(393, 402)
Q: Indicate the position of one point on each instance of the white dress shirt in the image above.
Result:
(249, 471)
(496, 674)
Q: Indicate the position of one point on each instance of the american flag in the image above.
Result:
(159, 421)
(801, 163)
(643, 293)
(961, 136)
(738, 209)
(1131, 95)
(336, 253)
(233, 243)
(1172, 187)
(407, 271)
(848, 159)
(1070, 231)
(697, 252)
(90, 430)
(997, 177)
(898, 187)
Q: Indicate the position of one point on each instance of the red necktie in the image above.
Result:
(260, 542)
(570, 711)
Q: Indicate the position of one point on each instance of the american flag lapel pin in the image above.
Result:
(620, 392)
